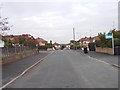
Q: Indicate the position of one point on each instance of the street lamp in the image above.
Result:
(74, 38)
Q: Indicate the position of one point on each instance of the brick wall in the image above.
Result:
(16, 57)
(104, 50)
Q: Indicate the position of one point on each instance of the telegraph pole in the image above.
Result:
(74, 37)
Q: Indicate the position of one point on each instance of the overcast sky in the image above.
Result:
(54, 20)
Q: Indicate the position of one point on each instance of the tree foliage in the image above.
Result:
(103, 42)
(7, 42)
(48, 45)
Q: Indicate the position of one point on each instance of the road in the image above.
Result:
(68, 69)
(12, 70)
(112, 59)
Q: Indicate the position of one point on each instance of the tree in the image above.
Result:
(22, 40)
(31, 42)
(48, 45)
(103, 42)
(72, 41)
(4, 25)
(7, 42)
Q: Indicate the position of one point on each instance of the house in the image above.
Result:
(68, 45)
(95, 38)
(85, 41)
(1, 43)
(57, 46)
(41, 41)
(15, 38)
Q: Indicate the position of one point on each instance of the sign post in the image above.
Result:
(110, 36)
(113, 43)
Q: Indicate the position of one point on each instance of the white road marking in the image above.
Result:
(115, 65)
(25, 71)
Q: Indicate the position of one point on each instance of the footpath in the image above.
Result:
(111, 59)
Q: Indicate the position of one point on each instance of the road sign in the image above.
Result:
(109, 36)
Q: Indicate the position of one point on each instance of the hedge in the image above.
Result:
(42, 47)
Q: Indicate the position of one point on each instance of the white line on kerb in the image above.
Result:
(100, 60)
(26, 70)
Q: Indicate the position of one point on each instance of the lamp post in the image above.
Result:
(74, 38)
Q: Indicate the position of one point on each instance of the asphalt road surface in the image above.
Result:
(112, 59)
(12, 70)
(68, 69)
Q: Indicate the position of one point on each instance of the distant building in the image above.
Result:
(15, 38)
(85, 41)
(68, 45)
(95, 38)
(1, 43)
(57, 46)
(41, 41)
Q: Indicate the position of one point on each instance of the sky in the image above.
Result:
(54, 19)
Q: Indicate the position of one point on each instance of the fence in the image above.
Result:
(8, 51)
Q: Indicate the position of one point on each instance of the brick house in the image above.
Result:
(15, 38)
(68, 45)
(85, 41)
(95, 38)
(41, 41)
(57, 46)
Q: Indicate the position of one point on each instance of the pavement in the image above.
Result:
(12, 70)
(68, 69)
(111, 59)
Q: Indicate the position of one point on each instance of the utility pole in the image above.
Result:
(74, 37)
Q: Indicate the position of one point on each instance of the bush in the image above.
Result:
(71, 46)
(108, 43)
(117, 42)
(49, 45)
(98, 43)
(91, 46)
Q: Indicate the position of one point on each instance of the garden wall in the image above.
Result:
(104, 50)
(15, 57)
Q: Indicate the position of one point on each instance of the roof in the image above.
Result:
(89, 39)
(15, 38)
(85, 39)
(96, 38)
(41, 40)
(68, 44)
(56, 43)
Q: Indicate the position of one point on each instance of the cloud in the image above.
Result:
(59, 0)
(55, 20)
